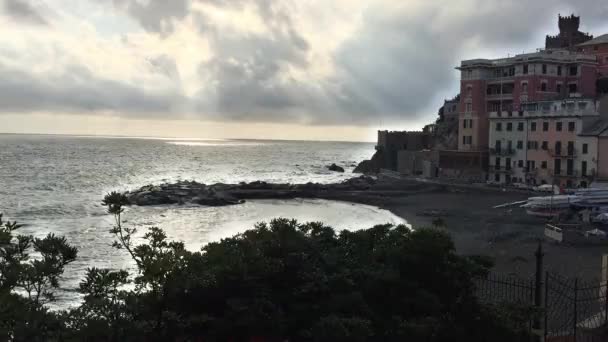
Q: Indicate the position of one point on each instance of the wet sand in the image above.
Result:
(508, 235)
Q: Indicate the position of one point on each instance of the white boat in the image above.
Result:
(549, 206)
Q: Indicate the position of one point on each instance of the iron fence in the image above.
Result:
(568, 309)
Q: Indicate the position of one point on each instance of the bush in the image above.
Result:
(279, 281)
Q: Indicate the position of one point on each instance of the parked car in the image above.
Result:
(521, 186)
(547, 188)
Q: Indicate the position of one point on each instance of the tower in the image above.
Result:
(569, 34)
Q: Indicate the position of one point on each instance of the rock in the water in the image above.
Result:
(364, 167)
(336, 168)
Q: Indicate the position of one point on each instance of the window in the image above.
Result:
(558, 88)
(570, 167)
(469, 107)
(532, 145)
(543, 164)
(525, 69)
(571, 126)
(509, 126)
(544, 69)
(558, 126)
(533, 126)
(470, 73)
(570, 148)
(584, 168)
(470, 123)
(557, 166)
(545, 126)
(520, 126)
(497, 177)
(464, 140)
(469, 91)
(545, 145)
(499, 126)
(559, 70)
(508, 163)
(464, 123)
(497, 163)
(572, 88)
(543, 86)
(524, 87)
(520, 163)
(585, 148)
(573, 70)
(520, 145)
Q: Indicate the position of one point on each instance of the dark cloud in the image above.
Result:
(392, 69)
(22, 10)
(76, 90)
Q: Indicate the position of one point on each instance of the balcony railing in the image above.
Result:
(503, 96)
(563, 153)
(531, 172)
(501, 169)
(564, 173)
(502, 151)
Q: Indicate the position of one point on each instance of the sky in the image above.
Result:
(263, 69)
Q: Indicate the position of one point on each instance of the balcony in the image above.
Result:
(502, 151)
(565, 154)
(531, 172)
(503, 96)
(501, 169)
(564, 173)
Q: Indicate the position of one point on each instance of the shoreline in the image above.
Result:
(508, 235)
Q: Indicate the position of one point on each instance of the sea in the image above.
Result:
(55, 184)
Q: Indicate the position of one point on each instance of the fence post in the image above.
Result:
(575, 300)
(546, 310)
(538, 283)
(606, 303)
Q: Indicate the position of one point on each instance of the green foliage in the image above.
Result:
(24, 318)
(279, 281)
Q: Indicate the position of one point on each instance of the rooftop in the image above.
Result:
(603, 39)
(542, 55)
(595, 128)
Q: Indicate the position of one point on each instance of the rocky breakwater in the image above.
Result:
(229, 194)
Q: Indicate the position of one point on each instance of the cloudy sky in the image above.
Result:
(289, 69)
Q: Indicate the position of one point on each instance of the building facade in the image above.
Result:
(545, 143)
(599, 48)
(390, 143)
(503, 85)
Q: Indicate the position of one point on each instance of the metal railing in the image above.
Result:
(501, 169)
(502, 151)
(563, 153)
(563, 173)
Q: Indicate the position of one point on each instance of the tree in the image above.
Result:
(282, 280)
(25, 317)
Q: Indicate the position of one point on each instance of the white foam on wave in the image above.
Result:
(214, 144)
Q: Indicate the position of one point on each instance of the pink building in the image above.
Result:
(503, 85)
(525, 118)
(599, 48)
(547, 142)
